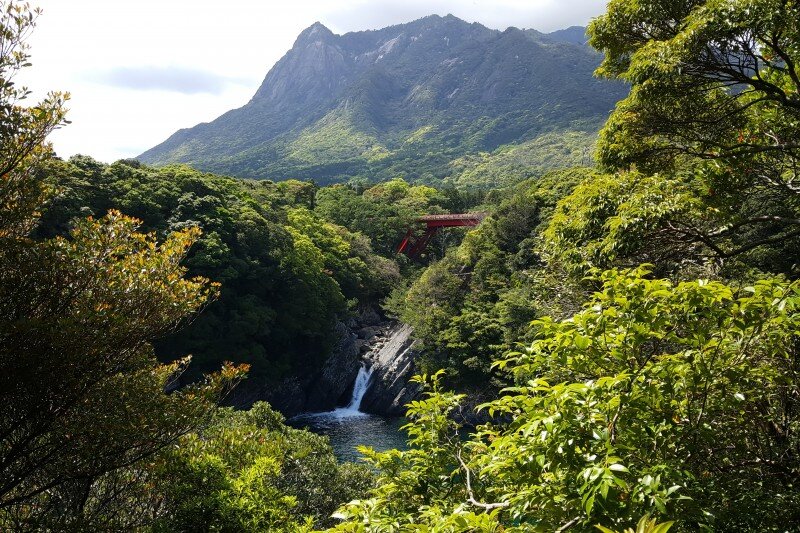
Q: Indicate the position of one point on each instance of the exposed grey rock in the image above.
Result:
(337, 374)
(386, 345)
(370, 317)
(438, 71)
(318, 391)
(287, 396)
(368, 333)
(393, 365)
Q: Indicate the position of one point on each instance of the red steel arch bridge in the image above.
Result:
(413, 245)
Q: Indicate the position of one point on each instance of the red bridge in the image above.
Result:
(412, 246)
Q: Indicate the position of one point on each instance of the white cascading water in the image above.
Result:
(349, 427)
(352, 410)
(359, 388)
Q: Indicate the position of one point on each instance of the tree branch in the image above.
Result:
(568, 525)
(470, 495)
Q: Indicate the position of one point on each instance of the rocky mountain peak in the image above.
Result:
(573, 34)
(315, 32)
(406, 99)
(314, 67)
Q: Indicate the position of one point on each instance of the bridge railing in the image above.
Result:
(452, 216)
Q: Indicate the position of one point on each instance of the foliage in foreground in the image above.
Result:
(82, 394)
(662, 399)
(678, 400)
(247, 471)
(711, 125)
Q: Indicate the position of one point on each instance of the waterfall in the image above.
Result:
(351, 411)
(359, 388)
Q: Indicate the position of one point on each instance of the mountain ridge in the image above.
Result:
(406, 99)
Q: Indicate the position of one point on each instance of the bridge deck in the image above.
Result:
(412, 246)
(453, 216)
(451, 220)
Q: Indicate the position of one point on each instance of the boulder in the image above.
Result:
(369, 317)
(368, 333)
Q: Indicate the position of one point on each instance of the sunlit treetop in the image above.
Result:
(716, 79)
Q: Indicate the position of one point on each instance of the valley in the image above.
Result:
(431, 277)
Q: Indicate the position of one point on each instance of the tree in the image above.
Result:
(476, 302)
(383, 212)
(714, 107)
(276, 310)
(82, 395)
(22, 129)
(675, 400)
(247, 471)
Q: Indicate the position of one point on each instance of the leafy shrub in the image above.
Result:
(677, 400)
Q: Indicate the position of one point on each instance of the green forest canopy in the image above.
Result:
(658, 383)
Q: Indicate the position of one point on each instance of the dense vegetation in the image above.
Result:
(285, 273)
(88, 438)
(642, 316)
(514, 163)
(477, 301)
(382, 212)
(675, 399)
(673, 390)
(247, 471)
(82, 394)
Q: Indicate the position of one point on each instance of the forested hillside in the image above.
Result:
(628, 326)
(287, 266)
(477, 301)
(407, 100)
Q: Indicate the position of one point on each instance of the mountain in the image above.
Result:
(404, 100)
(573, 34)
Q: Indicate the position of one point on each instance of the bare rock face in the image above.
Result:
(338, 373)
(470, 87)
(386, 346)
(285, 396)
(314, 70)
(392, 367)
(370, 317)
(314, 391)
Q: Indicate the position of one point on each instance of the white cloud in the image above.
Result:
(218, 53)
(173, 79)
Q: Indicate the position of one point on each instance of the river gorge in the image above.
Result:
(359, 394)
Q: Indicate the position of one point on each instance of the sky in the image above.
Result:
(138, 70)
